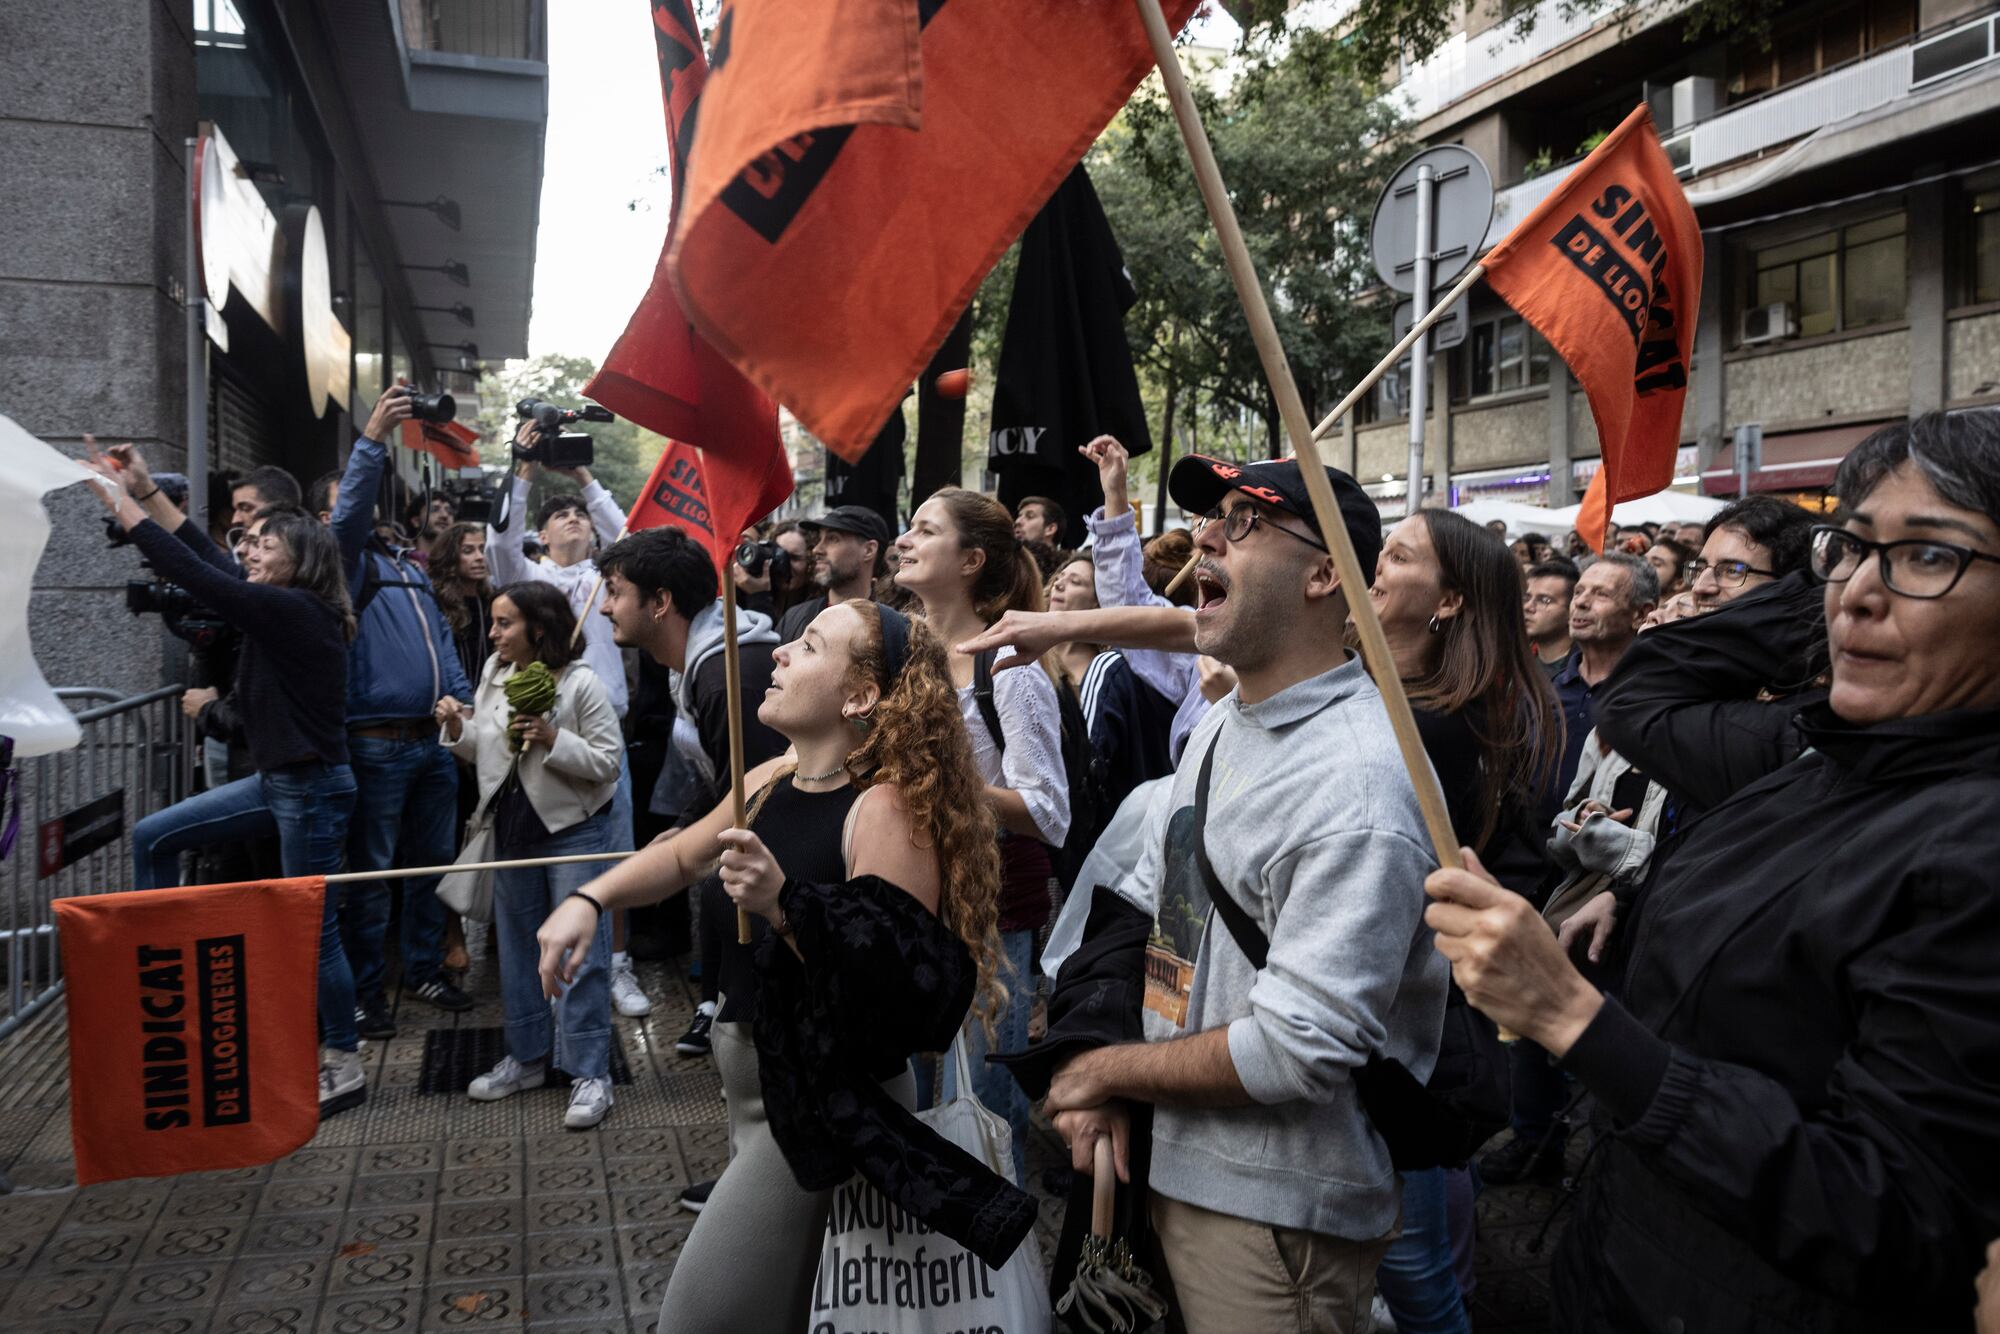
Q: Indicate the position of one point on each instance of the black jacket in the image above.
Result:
(1690, 702)
(1804, 1072)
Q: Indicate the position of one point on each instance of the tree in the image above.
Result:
(1377, 35)
(1304, 148)
(625, 451)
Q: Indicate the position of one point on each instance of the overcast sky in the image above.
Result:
(607, 140)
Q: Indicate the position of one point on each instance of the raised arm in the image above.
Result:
(504, 557)
(353, 519)
(658, 871)
(1033, 633)
(1686, 703)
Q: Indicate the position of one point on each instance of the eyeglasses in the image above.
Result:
(1914, 568)
(1237, 523)
(1728, 573)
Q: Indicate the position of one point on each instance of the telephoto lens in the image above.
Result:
(433, 407)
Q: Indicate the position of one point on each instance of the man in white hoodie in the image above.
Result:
(569, 527)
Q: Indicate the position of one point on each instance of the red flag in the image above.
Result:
(661, 373)
(712, 498)
(1609, 269)
(193, 1041)
(451, 444)
(859, 167)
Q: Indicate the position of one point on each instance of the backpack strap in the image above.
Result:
(1249, 937)
(982, 694)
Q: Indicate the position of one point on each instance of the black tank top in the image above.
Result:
(802, 830)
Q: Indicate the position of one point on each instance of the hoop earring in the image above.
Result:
(1437, 626)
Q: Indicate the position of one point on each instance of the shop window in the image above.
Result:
(1837, 280)
(1501, 355)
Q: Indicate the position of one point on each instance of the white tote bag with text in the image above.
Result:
(883, 1272)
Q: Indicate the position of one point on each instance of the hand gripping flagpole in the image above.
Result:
(733, 680)
(1291, 408)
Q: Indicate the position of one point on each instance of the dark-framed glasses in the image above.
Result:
(1728, 573)
(1911, 568)
(1237, 523)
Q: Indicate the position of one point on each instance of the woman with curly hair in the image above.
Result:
(870, 852)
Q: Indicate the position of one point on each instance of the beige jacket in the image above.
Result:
(565, 782)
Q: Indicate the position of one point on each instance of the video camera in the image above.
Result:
(553, 447)
(185, 615)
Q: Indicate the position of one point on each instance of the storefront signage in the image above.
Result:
(281, 271)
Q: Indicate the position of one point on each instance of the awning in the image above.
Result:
(1793, 461)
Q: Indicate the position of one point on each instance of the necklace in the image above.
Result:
(840, 768)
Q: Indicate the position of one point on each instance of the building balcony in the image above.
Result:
(496, 29)
(1465, 63)
(1946, 73)
(1855, 88)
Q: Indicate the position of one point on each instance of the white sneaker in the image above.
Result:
(589, 1100)
(626, 994)
(341, 1083)
(508, 1078)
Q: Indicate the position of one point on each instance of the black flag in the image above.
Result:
(1065, 368)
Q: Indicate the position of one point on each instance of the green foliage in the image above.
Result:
(1379, 34)
(1304, 148)
(626, 451)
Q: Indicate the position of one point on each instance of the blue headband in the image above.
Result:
(895, 641)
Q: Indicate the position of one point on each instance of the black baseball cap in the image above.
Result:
(857, 519)
(1199, 483)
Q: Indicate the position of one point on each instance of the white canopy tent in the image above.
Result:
(1661, 507)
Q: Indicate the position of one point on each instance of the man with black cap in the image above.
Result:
(850, 548)
(1292, 846)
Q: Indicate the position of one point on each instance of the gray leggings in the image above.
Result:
(750, 1261)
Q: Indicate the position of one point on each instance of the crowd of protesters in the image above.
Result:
(1718, 960)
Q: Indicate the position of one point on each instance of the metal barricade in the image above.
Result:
(78, 808)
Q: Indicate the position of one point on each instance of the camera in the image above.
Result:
(553, 447)
(757, 557)
(432, 407)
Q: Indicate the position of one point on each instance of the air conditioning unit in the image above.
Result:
(1694, 99)
(1767, 324)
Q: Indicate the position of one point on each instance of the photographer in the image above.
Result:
(291, 683)
(404, 659)
(773, 573)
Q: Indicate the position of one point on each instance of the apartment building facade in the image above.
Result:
(1847, 181)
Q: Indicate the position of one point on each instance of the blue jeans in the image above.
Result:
(404, 815)
(233, 813)
(523, 897)
(310, 804)
(993, 1084)
(1417, 1278)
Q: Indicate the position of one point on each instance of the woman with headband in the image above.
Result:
(870, 852)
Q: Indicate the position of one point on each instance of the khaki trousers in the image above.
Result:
(1231, 1276)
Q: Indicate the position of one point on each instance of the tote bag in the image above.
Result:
(883, 1272)
(470, 893)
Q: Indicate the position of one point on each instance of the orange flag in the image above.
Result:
(680, 494)
(859, 167)
(193, 1032)
(450, 443)
(1609, 269)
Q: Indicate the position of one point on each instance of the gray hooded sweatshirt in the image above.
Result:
(1314, 827)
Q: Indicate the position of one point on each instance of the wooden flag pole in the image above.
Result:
(409, 872)
(595, 588)
(1243, 272)
(734, 681)
(1368, 381)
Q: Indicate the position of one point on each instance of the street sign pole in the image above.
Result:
(1420, 351)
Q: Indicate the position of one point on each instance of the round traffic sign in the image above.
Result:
(1461, 211)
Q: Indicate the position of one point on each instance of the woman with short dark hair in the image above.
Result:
(547, 772)
(1800, 1067)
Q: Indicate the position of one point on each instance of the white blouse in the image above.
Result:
(1030, 717)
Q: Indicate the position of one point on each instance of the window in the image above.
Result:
(1501, 355)
(1983, 273)
(1819, 43)
(1837, 280)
